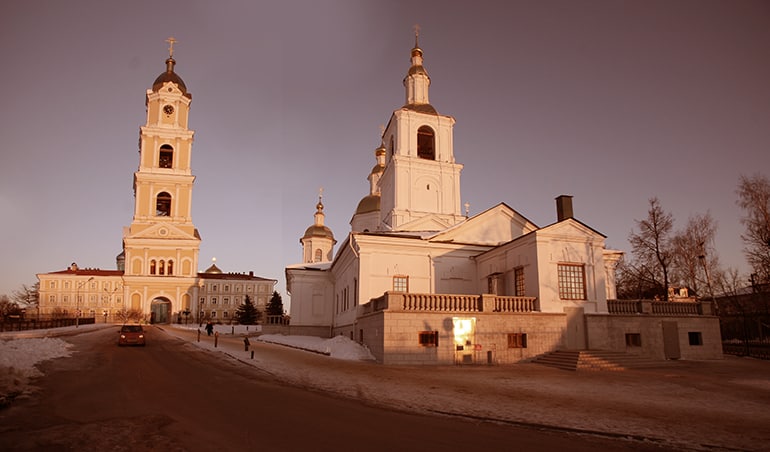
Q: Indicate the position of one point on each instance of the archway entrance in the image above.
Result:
(160, 311)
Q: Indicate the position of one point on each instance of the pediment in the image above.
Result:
(494, 226)
(426, 223)
(570, 228)
(162, 231)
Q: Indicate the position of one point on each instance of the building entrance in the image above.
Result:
(160, 311)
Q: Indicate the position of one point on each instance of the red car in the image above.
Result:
(131, 335)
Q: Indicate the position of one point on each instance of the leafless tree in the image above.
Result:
(754, 198)
(695, 260)
(27, 295)
(651, 245)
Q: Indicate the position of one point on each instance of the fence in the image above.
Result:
(42, 324)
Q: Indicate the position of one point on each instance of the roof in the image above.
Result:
(234, 276)
(87, 272)
(370, 203)
(318, 231)
(170, 76)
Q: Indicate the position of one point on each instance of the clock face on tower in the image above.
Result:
(168, 110)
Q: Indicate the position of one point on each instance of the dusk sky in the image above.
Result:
(612, 102)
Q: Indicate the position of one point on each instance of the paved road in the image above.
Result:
(174, 396)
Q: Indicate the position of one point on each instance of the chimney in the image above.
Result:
(563, 207)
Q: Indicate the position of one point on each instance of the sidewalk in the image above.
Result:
(722, 404)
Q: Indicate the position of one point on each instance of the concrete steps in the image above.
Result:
(594, 360)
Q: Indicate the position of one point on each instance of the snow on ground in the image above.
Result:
(692, 405)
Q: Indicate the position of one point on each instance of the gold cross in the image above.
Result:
(416, 34)
(171, 42)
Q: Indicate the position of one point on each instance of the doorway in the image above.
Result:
(160, 311)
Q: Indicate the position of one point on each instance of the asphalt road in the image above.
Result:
(173, 396)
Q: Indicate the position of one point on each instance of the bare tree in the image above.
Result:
(695, 260)
(651, 245)
(754, 198)
(27, 295)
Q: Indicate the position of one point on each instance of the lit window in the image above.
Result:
(572, 285)
(517, 340)
(400, 284)
(428, 338)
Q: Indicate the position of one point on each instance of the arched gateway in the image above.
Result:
(160, 311)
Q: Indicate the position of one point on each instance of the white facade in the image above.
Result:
(408, 236)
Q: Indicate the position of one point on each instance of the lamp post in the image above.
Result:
(77, 301)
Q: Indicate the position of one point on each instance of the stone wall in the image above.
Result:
(608, 332)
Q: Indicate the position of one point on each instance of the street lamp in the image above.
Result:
(77, 301)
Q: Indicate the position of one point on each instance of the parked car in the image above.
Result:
(131, 335)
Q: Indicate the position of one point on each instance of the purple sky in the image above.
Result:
(612, 102)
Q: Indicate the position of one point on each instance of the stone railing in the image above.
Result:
(625, 307)
(422, 302)
(514, 304)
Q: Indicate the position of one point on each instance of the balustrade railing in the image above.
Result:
(440, 302)
(625, 307)
(515, 304)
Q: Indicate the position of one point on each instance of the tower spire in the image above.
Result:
(417, 80)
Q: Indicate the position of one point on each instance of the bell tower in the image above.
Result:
(420, 186)
(161, 245)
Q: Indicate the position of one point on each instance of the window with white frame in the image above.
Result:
(400, 283)
(572, 281)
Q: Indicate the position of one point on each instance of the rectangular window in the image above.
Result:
(518, 280)
(213, 300)
(633, 340)
(203, 300)
(213, 287)
(226, 300)
(517, 340)
(66, 284)
(213, 314)
(572, 282)
(400, 284)
(696, 338)
(224, 314)
(52, 299)
(227, 288)
(428, 338)
(52, 284)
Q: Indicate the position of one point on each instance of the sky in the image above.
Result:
(612, 102)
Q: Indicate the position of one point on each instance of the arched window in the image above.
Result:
(318, 255)
(426, 141)
(163, 205)
(166, 158)
(152, 267)
(170, 268)
(162, 267)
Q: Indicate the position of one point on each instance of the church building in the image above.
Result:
(157, 271)
(418, 281)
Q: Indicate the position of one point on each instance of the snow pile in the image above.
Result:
(338, 347)
(18, 359)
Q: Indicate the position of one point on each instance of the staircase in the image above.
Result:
(594, 360)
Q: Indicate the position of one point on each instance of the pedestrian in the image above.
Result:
(209, 328)
(246, 343)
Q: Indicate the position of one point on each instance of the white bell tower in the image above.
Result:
(420, 187)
